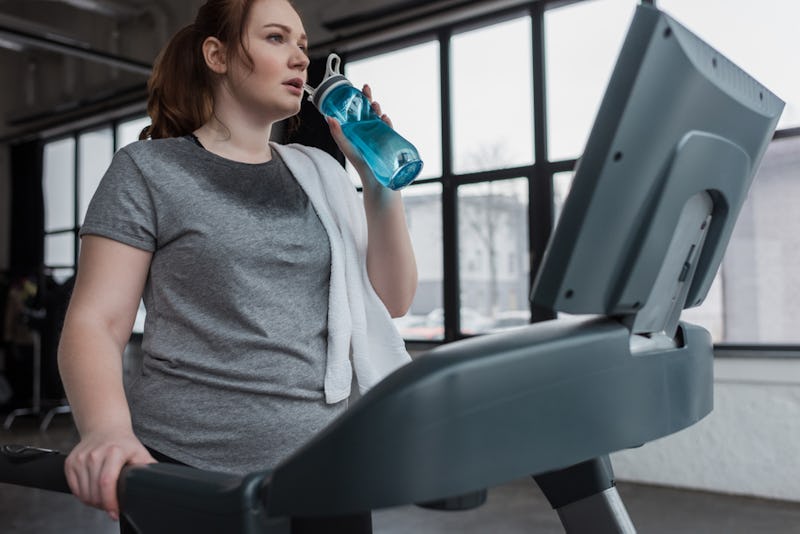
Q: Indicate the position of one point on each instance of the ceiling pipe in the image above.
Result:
(11, 45)
(108, 8)
(68, 47)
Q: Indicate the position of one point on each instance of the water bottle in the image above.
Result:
(393, 160)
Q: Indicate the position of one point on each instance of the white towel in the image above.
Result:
(358, 321)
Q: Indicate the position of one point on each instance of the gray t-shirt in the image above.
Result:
(237, 301)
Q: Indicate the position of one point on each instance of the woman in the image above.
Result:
(259, 269)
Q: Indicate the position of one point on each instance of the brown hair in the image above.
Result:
(180, 97)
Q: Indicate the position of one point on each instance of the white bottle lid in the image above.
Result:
(333, 78)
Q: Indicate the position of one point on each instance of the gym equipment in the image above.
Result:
(676, 143)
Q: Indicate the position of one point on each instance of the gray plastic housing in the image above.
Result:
(482, 411)
(677, 119)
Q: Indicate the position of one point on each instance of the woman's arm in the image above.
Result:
(98, 324)
(391, 265)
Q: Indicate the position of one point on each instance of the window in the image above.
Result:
(755, 296)
(581, 45)
(486, 91)
(423, 207)
(493, 227)
(754, 299)
(494, 174)
(500, 108)
(72, 169)
(761, 37)
(59, 207)
(406, 85)
(562, 182)
(492, 97)
(128, 131)
(95, 150)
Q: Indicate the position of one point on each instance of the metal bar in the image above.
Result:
(541, 187)
(452, 297)
(67, 48)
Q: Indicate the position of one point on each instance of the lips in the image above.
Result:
(295, 85)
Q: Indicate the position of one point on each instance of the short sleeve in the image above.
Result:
(122, 208)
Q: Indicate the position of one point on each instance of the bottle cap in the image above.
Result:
(333, 78)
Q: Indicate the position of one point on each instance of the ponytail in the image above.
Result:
(180, 98)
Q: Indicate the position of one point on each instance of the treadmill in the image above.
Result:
(675, 145)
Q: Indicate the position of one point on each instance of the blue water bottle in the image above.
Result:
(394, 161)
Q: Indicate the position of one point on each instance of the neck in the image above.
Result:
(234, 134)
(237, 144)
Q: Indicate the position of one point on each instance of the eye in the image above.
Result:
(275, 38)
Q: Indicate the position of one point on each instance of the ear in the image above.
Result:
(215, 54)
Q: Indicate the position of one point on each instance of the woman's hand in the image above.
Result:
(391, 266)
(347, 147)
(94, 465)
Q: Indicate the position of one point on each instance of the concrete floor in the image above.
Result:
(515, 507)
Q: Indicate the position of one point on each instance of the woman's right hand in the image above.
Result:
(94, 465)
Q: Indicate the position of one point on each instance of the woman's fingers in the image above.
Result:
(338, 135)
(92, 470)
(376, 107)
(77, 478)
(107, 481)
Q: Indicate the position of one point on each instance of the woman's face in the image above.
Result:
(276, 41)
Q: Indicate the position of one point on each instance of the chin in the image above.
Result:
(290, 111)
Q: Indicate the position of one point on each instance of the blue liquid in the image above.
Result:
(394, 161)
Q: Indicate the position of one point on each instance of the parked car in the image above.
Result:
(508, 320)
(416, 327)
(472, 321)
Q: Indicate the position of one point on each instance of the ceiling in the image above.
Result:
(69, 56)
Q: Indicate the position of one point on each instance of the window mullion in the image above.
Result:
(540, 214)
(450, 273)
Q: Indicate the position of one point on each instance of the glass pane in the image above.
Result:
(759, 288)
(59, 184)
(562, 183)
(760, 37)
(62, 275)
(492, 97)
(493, 255)
(709, 314)
(138, 323)
(95, 150)
(578, 68)
(59, 249)
(423, 205)
(128, 131)
(406, 85)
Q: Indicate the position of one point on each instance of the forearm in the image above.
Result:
(391, 265)
(90, 363)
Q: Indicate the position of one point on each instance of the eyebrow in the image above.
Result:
(285, 28)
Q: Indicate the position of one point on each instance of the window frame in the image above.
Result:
(75, 134)
(539, 174)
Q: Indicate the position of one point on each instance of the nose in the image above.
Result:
(299, 59)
